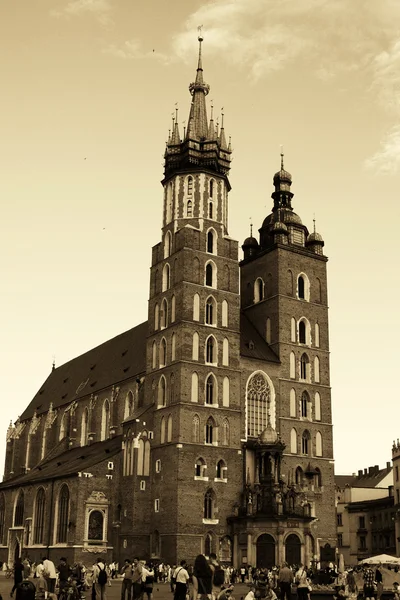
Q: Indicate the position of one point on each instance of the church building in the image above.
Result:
(207, 428)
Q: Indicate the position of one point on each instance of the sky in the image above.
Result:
(88, 92)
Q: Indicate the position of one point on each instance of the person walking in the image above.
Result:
(181, 577)
(18, 574)
(302, 583)
(49, 573)
(127, 573)
(137, 580)
(285, 580)
(100, 579)
(202, 578)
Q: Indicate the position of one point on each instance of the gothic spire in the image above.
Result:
(199, 91)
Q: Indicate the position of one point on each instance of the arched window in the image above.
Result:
(162, 392)
(173, 305)
(302, 332)
(196, 429)
(189, 209)
(146, 458)
(292, 329)
(292, 403)
(211, 244)
(210, 433)
(259, 403)
(293, 441)
(317, 478)
(63, 427)
(154, 356)
(292, 366)
(169, 428)
(299, 476)
(196, 307)
(304, 367)
(225, 432)
(127, 453)
(163, 352)
(62, 515)
(221, 469)
(268, 331)
(210, 278)
(172, 388)
(289, 283)
(168, 216)
(167, 244)
(211, 390)
(195, 346)
(211, 311)
(200, 468)
(173, 347)
(194, 397)
(318, 444)
(306, 443)
(304, 402)
(225, 392)
(162, 431)
(84, 427)
(225, 352)
(129, 405)
(209, 504)
(316, 370)
(211, 188)
(164, 314)
(317, 406)
(210, 210)
(95, 526)
(317, 335)
(211, 350)
(2, 517)
(165, 278)
(303, 287)
(19, 510)
(156, 317)
(190, 186)
(105, 420)
(140, 456)
(258, 290)
(224, 311)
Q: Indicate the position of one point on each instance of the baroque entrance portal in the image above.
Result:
(265, 551)
(293, 549)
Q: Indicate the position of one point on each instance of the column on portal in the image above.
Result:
(250, 549)
(235, 557)
(281, 547)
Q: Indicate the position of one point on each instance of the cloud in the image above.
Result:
(100, 9)
(387, 159)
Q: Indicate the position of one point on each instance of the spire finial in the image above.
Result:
(212, 110)
(314, 224)
(282, 155)
(54, 363)
(222, 117)
(176, 112)
(200, 38)
(251, 227)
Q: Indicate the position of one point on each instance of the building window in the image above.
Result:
(196, 307)
(210, 210)
(363, 542)
(164, 314)
(2, 517)
(316, 370)
(361, 522)
(211, 312)
(340, 539)
(293, 441)
(211, 350)
(299, 476)
(156, 317)
(63, 514)
(224, 313)
(167, 243)
(163, 352)
(303, 287)
(292, 366)
(210, 275)
(190, 186)
(105, 420)
(19, 510)
(397, 472)
(157, 505)
(38, 524)
(158, 466)
(225, 391)
(317, 408)
(84, 427)
(211, 241)
(302, 332)
(211, 188)
(221, 469)
(169, 428)
(211, 390)
(209, 505)
(200, 468)
(304, 367)
(259, 402)
(304, 405)
(225, 352)
(166, 278)
(339, 520)
(306, 443)
(318, 444)
(196, 429)
(195, 388)
(317, 335)
(318, 478)
(225, 432)
(129, 405)
(173, 347)
(258, 290)
(162, 392)
(292, 402)
(62, 429)
(143, 457)
(210, 431)
(162, 431)
(95, 526)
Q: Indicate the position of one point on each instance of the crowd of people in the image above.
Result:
(206, 579)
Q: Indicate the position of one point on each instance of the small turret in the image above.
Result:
(315, 242)
(250, 245)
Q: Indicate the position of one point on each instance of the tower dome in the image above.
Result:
(250, 245)
(279, 227)
(315, 242)
(268, 437)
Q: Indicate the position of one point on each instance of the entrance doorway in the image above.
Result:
(265, 551)
(293, 549)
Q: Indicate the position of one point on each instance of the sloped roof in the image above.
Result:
(68, 463)
(367, 480)
(112, 362)
(252, 344)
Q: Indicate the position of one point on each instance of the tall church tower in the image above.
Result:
(193, 347)
(284, 296)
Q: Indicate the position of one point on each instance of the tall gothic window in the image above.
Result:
(300, 287)
(190, 186)
(189, 209)
(258, 290)
(38, 524)
(95, 526)
(211, 350)
(225, 432)
(304, 367)
(210, 275)
(62, 427)
(63, 514)
(306, 443)
(84, 427)
(210, 210)
(196, 429)
(210, 390)
(209, 504)
(210, 311)
(129, 404)
(2, 517)
(19, 510)
(304, 404)
(211, 188)
(164, 314)
(166, 278)
(105, 420)
(210, 431)
(302, 332)
(163, 352)
(211, 241)
(258, 404)
(162, 392)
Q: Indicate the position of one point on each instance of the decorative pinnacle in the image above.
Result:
(200, 38)
(251, 228)
(282, 155)
(314, 223)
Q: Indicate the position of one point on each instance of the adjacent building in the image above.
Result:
(209, 426)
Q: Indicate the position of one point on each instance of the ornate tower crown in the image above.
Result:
(203, 145)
